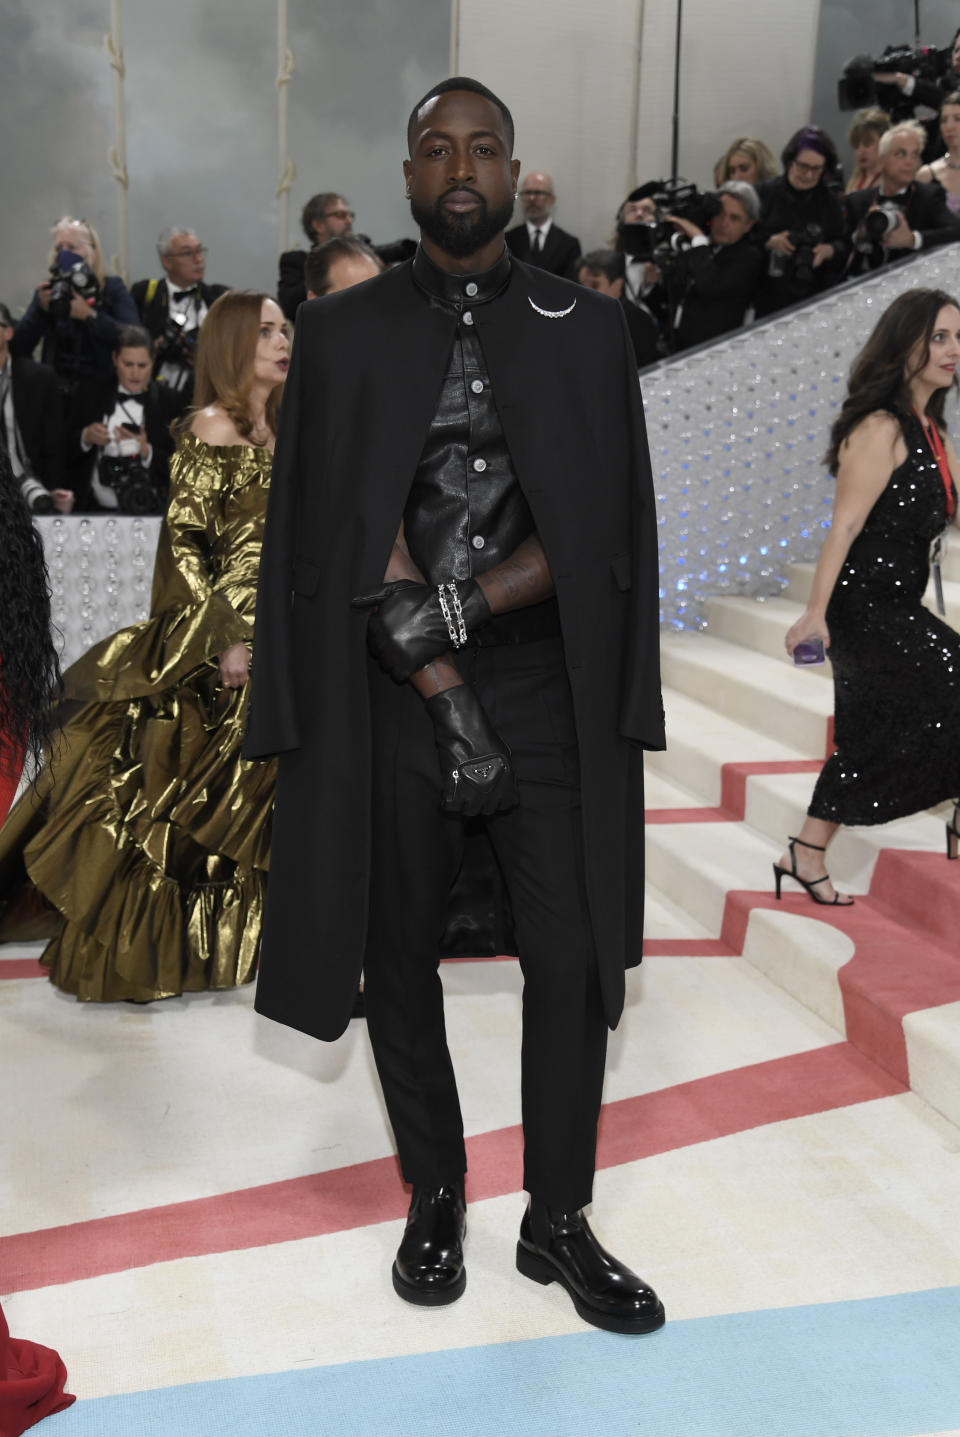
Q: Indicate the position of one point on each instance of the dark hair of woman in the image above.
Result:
(29, 669)
(811, 138)
(226, 354)
(883, 369)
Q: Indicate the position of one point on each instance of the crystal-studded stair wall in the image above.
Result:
(737, 432)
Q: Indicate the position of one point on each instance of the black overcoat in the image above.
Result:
(367, 368)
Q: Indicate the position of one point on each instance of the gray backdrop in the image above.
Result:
(201, 126)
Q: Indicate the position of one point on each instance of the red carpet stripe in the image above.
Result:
(22, 968)
(344, 1198)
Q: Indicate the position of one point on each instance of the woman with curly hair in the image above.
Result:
(147, 836)
(896, 666)
(32, 1377)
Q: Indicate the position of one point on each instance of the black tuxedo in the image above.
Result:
(926, 211)
(154, 307)
(38, 408)
(558, 256)
(95, 400)
(717, 285)
(367, 369)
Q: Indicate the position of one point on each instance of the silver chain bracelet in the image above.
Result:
(458, 630)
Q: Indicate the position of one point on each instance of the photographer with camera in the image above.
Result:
(120, 430)
(801, 223)
(172, 309)
(899, 215)
(31, 427)
(719, 269)
(906, 78)
(74, 313)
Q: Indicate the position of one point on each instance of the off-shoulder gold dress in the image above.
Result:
(148, 835)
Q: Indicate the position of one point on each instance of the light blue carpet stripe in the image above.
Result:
(884, 1367)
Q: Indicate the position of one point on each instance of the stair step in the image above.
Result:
(700, 741)
(754, 690)
(933, 1053)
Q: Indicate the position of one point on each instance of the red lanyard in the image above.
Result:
(936, 444)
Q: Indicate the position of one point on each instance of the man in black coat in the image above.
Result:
(539, 240)
(173, 308)
(917, 215)
(716, 278)
(325, 216)
(457, 645)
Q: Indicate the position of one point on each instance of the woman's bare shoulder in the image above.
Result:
(876, 430)
(214, 427)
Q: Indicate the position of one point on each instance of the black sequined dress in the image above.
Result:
(896, 666)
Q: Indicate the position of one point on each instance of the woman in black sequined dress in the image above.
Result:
(896, 666)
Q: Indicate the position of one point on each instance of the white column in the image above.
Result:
(117, 154)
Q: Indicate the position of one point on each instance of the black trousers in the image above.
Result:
(417, 852)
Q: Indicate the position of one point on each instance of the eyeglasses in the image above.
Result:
(806, 169)
(339, 215)
(195, 253)
(536, 194)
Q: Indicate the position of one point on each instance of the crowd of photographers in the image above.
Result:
(93, 376)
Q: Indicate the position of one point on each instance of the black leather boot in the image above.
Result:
(429, 1266)
(559, 1247)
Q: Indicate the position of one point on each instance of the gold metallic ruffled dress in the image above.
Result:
(148, 837)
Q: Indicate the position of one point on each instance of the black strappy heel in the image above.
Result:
(810, 883)
(953, 833)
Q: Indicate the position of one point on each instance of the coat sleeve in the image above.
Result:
(272, 722)
(641, 705)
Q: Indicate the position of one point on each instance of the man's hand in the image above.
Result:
(63, 500)
(900, 237)
(407, 627)
(781, 243)
(95, 434)
(476, 771)
(691, 230)
(79, 308)
(234, 666)
(821, 253)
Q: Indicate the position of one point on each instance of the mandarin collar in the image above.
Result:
(460, 289)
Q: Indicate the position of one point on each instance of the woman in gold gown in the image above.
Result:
(147, 835)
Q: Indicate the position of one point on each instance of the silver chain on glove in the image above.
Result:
(458, 630)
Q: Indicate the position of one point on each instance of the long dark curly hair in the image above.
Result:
(896, 352)
(29, 669)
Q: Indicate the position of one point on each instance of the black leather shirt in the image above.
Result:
(466, 512)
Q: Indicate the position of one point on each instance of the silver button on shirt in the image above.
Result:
(467, 317)
(470, 289)
(477, 386)
(479, 465)
(478, 541)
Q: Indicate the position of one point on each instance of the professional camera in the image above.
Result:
(131, 482)
(657, 239)
(36, 495)
(800, 263)
(177, 344)
(857, 88)
(70, 275)
(877, 223)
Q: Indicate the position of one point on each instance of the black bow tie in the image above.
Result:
(179, 294)
(122, 394)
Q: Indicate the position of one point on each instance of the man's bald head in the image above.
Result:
(537, 196)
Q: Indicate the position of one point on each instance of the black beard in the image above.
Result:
(462, 235)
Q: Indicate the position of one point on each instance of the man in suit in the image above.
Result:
(173, 308)
(538, 240)
(604, 270)
(457, 664)
(900, 215)
(717, 276)
(31, 426)
(325, 216)
(125, 418)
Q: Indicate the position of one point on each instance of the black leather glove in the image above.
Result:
(476, 771)
(407, 628)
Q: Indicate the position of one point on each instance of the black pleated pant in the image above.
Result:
(416, 856)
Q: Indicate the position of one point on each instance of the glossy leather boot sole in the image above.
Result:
(428, 1296)
(540, 1269)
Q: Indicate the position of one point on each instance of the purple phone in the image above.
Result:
(809, 652)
